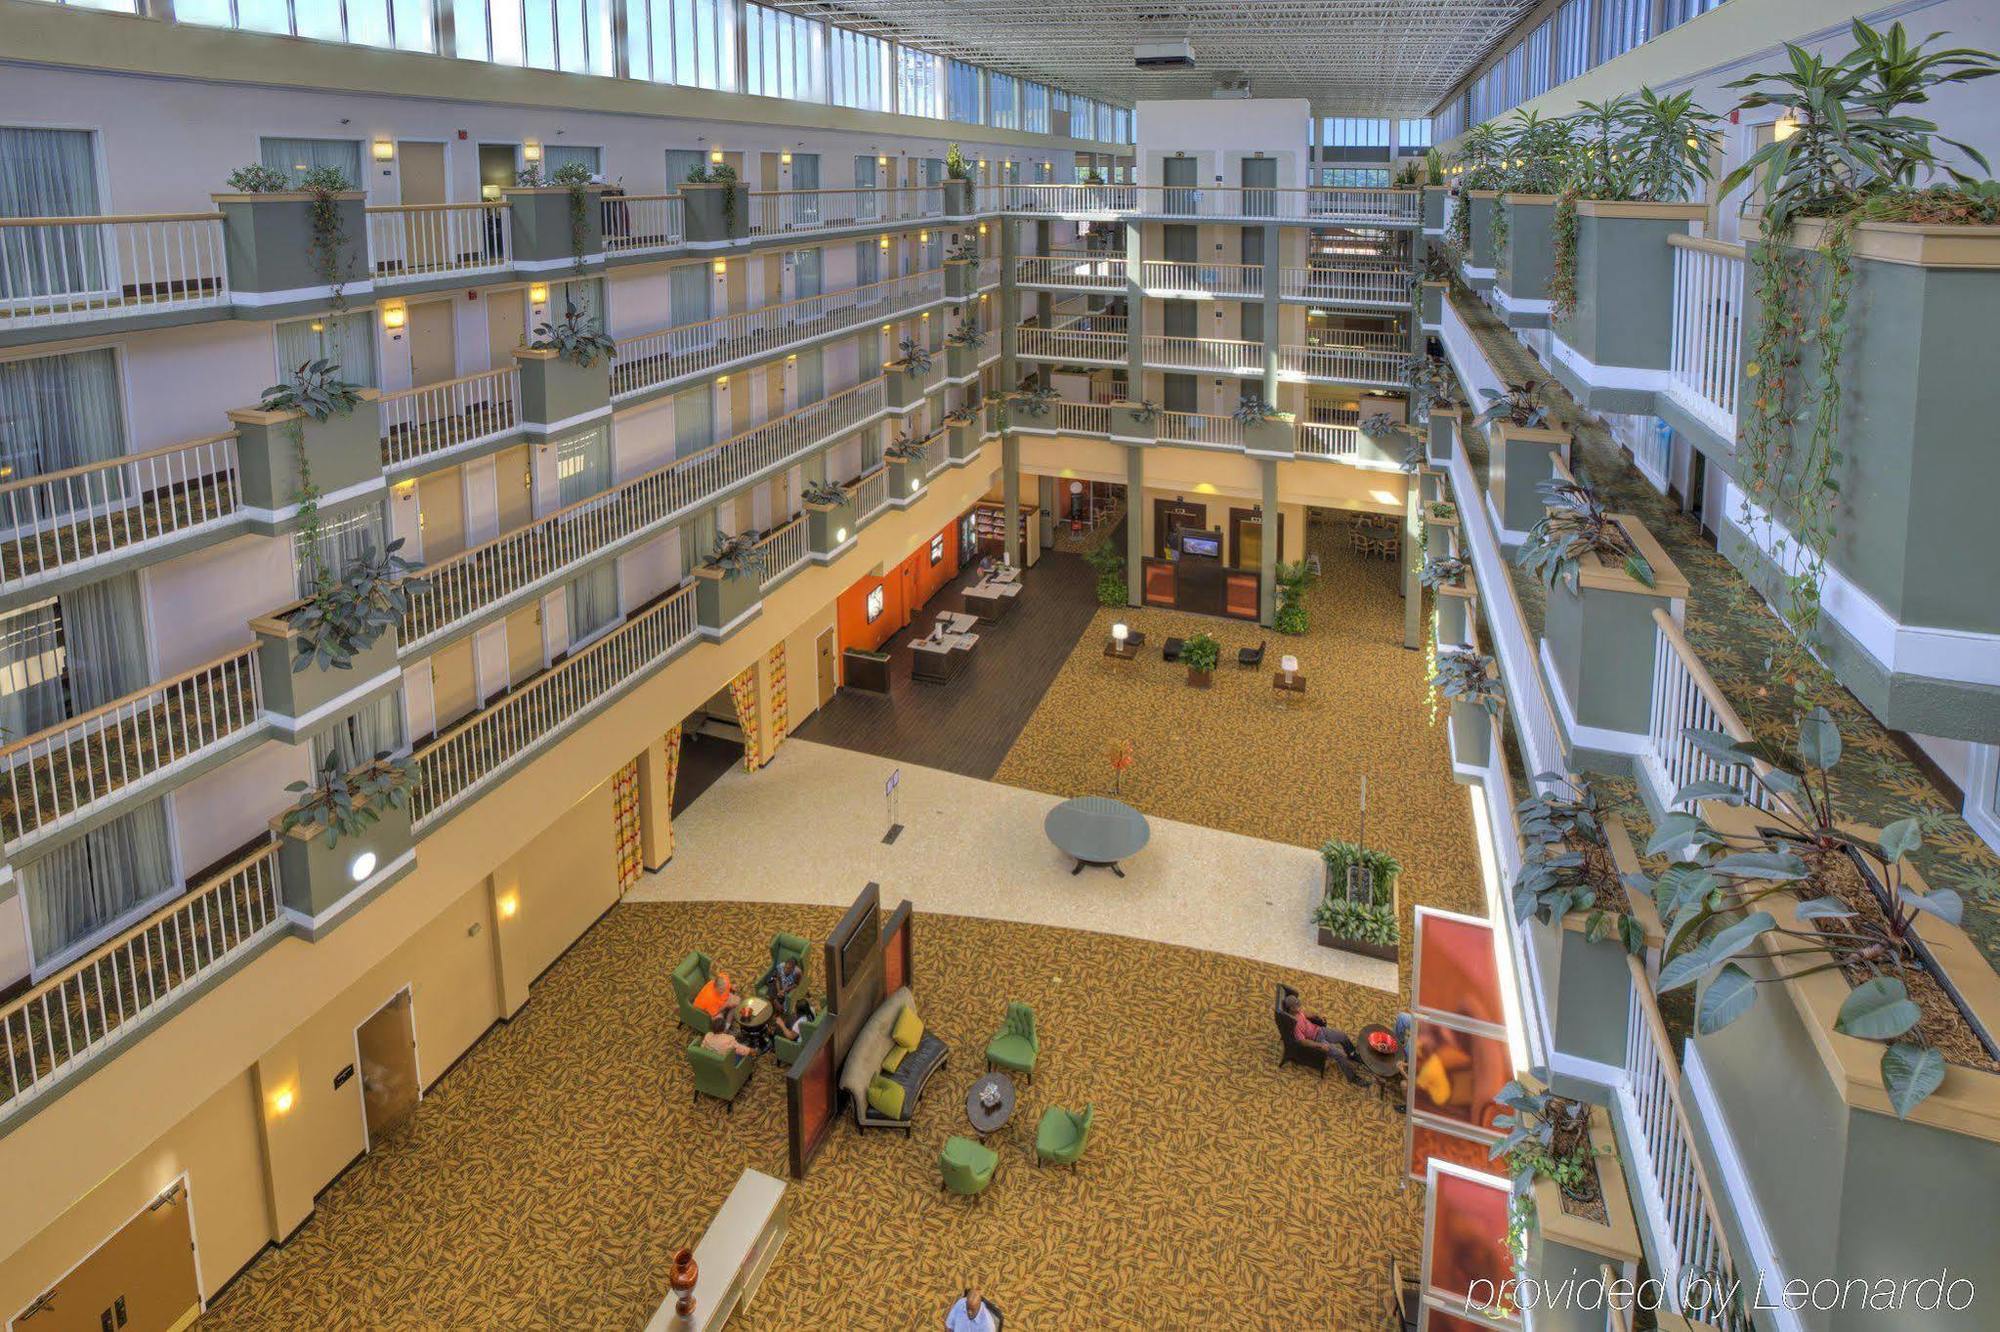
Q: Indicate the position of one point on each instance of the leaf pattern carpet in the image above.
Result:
(545, 1181)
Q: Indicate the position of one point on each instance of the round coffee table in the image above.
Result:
(1097, 830)
(754, 1020)
(1386, 1069)
(990, 1118)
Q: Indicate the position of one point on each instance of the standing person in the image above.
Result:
(972, 1314)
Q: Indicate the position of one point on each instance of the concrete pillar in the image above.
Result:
(1413, 592)
(1010, 496)
(1267, 569)
(1273, 238)
(656, 804)
(1135, 314)
(1135, 524)
(1010, 306)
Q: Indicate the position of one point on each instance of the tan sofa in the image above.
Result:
(864, 1061)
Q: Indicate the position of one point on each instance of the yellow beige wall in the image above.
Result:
(195, 1093)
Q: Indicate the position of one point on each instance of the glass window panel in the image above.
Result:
(316, 18)
(509, 37)
(414, 29)
(539, 35)
(263, 15)
(468, 19)
(368, 22)
(572, 51)
(213, 13)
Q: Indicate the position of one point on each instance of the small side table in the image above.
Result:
(1294, 687)
(1123, 652)
(754, 1020)
(987, 1119)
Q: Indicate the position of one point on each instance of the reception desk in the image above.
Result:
(733, 1254)
(943, 653)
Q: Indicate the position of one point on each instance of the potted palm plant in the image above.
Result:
(1541, 152)
(1200, 654)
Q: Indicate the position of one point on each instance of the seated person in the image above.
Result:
(718, 999)
(802, 1013)
(1311, 1029)
(783, 981)
(970, 1314)
(722, 1042)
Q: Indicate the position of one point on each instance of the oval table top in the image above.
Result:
(1097, 829)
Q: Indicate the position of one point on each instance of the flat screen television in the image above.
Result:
(1202, 544)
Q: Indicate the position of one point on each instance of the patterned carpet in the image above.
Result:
(544, 1182)
(1237, 757)
(1735, 634)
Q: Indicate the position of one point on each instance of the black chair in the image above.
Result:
(1252, 656)
(1399, 1302)
(1171, 649)
(1310, 1054)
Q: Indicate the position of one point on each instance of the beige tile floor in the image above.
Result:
(976, 848)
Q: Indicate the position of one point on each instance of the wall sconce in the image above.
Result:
(509, 905)
(715, 156)
(722, 268)
(317, 326)
(982, 164)
(1784, 127)
(923, 238)
(394, 316)
(982, 228)
(915, 486)
(785, 158)
(881, 161)
(538, 294)
(281, 1101)
(531, 151)
(385, 150)
(722, 381)
(884, 242)
(363, 865)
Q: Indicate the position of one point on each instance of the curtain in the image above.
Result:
(774, 666)
(373, 728)
(555, 156)
(347, 340)
(104, 641)
(31, 670)
(867, 263)
(806, 274)
(593, 602)
(48, 173)
(933, 171)
(687, 294)
(805, 171)
(812, 376)
(295, 157)
(672, 740)
(343, 539)
(743, 692)
(694, 421)
(586, 294)
(864, 173)
(58, 412)
(680, 161)
(85, 889)
(583, 468)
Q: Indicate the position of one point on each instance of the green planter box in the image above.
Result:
(344, 454)
(906, 479)
(963, 439)
(1479, 257)
(961, 278)
(267, 243)
(715, 214)
(1433, 304)
(1522, 269)
(1279, 435)
(1440, 535)
(724, 605)
(958, 198)
(557, 395)
(1523, 458)
(961, 362)
(1127, 426)
(315, 877)
(1443, 437)
(546, 236)
(1613, 352)
(301, 702)
(1434, 196)
(1600, 641)
(902, 390)
(1454, 615)
(1471, 736)
(830, 526)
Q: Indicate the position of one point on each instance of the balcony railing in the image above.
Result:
(1347, 364)
(1086, 272)
(411, 242)
(1054, 344)
(1686, 696)
(784, 551)
(1705, 374)
(1165, 277)
(58, 1027)
(1219, 355)
(59, 773)
(475, 752)
(641, 223)
(59, 270)
(1328, 439)
(436, 418)
(776, 212)
(648, 360)
(1069, 418)
(1314, 205)
(467, 584)
(1200, 428)
(1347, 286)
(60, 521)
(871, 492)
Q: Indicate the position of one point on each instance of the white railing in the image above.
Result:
(1063, 417)
(474, 753)
(1383, 206)
(1202, 429)
(641, 223)
(1685, 696)
(780, 212)
(1096, 273)
(785, 550)
(432, 418)
(59, 773)
(58, 270)
(1673, 1186)
(1365, 205)
(989, 273)
(1328, 439)
(1346, 286)
(871, 492)
(410, 242)
(1705, 374)
(1347, 364)
(64, 520)
(649, 360)
(1053, 344)
(1220, 355)
(53, 1030)
(1167, 277)
(466, 584)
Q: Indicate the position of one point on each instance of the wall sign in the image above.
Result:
(875, 603)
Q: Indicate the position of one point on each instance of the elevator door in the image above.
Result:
(142, 1279)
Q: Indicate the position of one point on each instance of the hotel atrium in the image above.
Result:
(905, 663)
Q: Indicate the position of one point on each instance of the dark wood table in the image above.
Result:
(991, 1119)
(1386, 1069)
(1125, 651)
(1295, 685)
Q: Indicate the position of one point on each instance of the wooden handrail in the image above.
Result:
(123, 459)
(135, 696)
(435, 208)
(845, 189)
(1707, 245)
(1731, 722)
(167, 908)
(108, 218)
(415, 389)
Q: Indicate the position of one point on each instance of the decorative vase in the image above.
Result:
(682, 1281)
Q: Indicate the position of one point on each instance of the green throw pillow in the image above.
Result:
(885, 1097)
(909, 1029)
(894, 1059)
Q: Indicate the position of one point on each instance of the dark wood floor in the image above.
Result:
(704, 759)
(968, 724)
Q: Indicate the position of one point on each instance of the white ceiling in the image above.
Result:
(1348, 57)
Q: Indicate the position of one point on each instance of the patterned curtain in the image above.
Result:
(743, 690)
(625, 825)
(672, 740)
(774, 666)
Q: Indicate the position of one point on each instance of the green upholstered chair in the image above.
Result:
(1015, 1048)
(967, 1166)
(788, 1051)
(688, 978)
(783, 947)
(718, 1075)
(1061, 1134)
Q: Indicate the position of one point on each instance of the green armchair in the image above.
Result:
(966, 1166)
(1061, 1134)
(1015, 1048)
(786, 947)
(788, 1051)
(718, 1075)
(688, 978)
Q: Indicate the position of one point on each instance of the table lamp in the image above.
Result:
(1119, 633)
(1289, 665)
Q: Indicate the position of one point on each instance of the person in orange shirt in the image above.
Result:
(718, 999)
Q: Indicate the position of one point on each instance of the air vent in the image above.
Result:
(1177, 53)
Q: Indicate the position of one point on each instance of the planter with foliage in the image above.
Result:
(347, 830)
(962, 432)
(1571, 1206)
(565, 374)
(314, 652)
(1441, 539)
(831, 516)
(1265, 428)
(315, 430)
(556, 225)
(728, 588)
(715, 206)
(297, 247)
(1200, 654)
(1293, 578)
(1469, 684)
(908, 461)
(910, 377)
(1113, 587)
(1135, 422)
(1523, 267)
(1526, 451)
(1433, 206)
(1441, 433)
(1450, 582)
(961, 278)
(1480, 262)
(962, 351)
(958, 187)
(1359, 907)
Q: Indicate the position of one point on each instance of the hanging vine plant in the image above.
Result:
(574, 177)
(1562, 273)
(327, 247)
